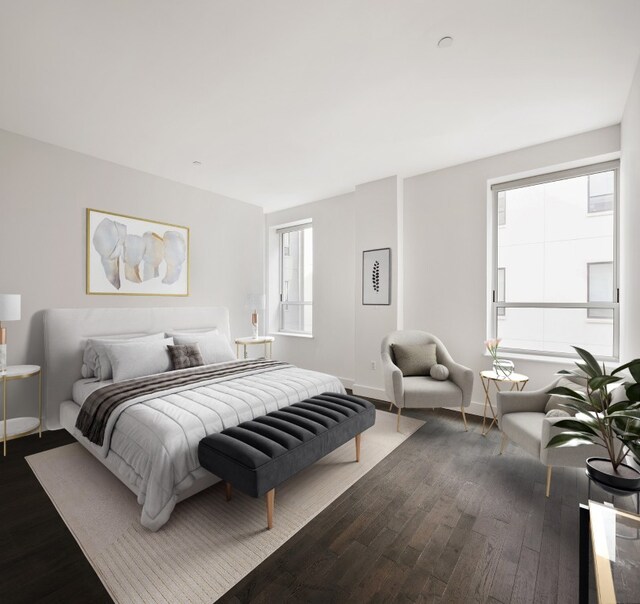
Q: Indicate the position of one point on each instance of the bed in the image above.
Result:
(152, 442)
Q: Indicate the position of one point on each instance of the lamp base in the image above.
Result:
(3, 357)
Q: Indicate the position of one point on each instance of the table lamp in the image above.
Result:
(9, 311)
(255, 303)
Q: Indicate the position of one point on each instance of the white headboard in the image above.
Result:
(66, 329)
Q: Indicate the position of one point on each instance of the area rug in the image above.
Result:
(209, 544)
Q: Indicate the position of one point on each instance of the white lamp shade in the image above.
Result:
(256, 302)
(9, 307)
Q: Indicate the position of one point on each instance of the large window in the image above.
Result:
(561, 262)
(296, 279)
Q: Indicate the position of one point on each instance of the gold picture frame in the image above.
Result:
(132, 256)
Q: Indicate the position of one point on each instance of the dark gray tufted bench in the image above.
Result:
(258, 455)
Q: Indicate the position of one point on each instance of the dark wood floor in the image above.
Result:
(441, 519)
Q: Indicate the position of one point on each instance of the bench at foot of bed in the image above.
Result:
(258, 455)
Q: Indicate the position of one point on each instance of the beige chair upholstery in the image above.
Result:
(423, 392)
(522, 420)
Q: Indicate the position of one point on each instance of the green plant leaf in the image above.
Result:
(633, 392)
(564, 391)
(625, 414)
(577, 425)
(601, 381)
(590, 361)
(632, 366)
(579, 406)
(569, 439)
(587, 372)
(621, 406)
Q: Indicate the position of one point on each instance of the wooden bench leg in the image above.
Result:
(228, 489)
(271, 496)
(358, 447)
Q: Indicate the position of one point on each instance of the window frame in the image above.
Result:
(495, 304)
(280, 232)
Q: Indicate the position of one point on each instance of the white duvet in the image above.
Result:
(155, 437)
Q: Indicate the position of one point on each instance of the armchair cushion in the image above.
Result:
(425, 392)
(439, 372)
(414, 359)
(524, 429)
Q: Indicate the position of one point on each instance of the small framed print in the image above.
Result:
(376, 277)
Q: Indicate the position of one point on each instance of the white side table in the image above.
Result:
(20, 426)
(244, 342)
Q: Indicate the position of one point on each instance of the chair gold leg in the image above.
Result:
(398, 425)
(228, 490)
(390, 406)
(271, 496)
(464, 419)
(549, 468)
(504, 442)
(358, 447)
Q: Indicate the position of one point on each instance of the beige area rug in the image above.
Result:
(209, 544)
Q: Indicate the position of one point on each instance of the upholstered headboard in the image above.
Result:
(66, 330)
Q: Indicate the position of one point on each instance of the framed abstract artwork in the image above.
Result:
(376, 277)
(135, 256)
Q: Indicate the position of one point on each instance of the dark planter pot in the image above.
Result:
(601, 470)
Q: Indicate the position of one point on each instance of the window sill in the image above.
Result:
(544, 358)
(289, 334)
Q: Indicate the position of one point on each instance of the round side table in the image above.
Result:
(20, 426)
(516, 381)
(244, 342)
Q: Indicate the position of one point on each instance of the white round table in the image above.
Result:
(20, 426)
(516, 381)
(244, 342)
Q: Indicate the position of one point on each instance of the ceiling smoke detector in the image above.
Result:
(445, 42)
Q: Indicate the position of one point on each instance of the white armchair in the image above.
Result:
(423, 392)
(522, 420)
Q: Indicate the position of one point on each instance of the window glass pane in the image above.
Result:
(555, 330)
(296, 285)
(549, 240)
(600, 288)
(502, 208)
(601, 189)
(501, 290)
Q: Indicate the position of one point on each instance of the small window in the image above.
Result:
(600, 288)
(296, 279)
(501, 293)
(601, 187)
(502, 209)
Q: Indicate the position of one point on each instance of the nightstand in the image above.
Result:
(20, 426)
(266, 340)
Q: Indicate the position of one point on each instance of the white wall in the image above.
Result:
(44, 191)
(331, 348)
(445, 246)
(630, 224)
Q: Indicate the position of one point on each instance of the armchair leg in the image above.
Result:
(504, 442)
(464, 419)
(390, 406)
(398, 425)
(549, 468)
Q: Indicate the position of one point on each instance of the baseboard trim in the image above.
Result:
(377, 393)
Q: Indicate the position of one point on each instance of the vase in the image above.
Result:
(503, 367)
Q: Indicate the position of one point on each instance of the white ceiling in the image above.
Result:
(288, 101)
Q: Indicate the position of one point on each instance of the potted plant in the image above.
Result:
(603, 416)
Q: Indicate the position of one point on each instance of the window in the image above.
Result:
(502, 208)
(600, 288)
(600, 194)
(548, 248)
(502, 273)
(296, 279)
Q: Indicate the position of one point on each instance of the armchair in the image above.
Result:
(522, 419)
(424, 392)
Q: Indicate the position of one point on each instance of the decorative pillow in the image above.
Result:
(214, 347)
(184, 356)
(558, 413)
(439, 372)
(95, 361)
(414, 359)
(136, 359)
(556, 401)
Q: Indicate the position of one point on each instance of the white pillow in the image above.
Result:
(136, 359)
(214, 347)
(95, 359)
